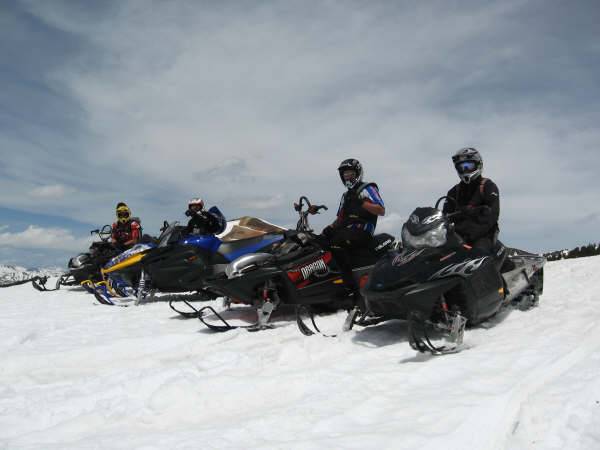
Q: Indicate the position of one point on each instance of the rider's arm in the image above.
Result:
(373, 208)
(113, 236)
(486, 218)
(372, 201)
(135, 234)
(450, 205)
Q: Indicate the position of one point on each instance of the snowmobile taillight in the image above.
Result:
(192, 258)
(468, 247)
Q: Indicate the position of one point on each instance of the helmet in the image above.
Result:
(123, 212)
(468, 164)
(196, 204)
(351, 164)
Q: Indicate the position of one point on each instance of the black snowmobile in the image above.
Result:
(180, 262)
(299, 271)
(437, 282)
(85, 267)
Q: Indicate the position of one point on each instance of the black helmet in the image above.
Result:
(351, 164)
(468, 164)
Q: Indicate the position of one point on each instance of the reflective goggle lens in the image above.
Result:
(466, 166)
(123, 214)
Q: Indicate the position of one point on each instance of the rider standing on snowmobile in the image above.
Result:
(126, 231)
(352, 231)
(476, 199)
(204, 222)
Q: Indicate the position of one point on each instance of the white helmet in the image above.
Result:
(468, 164)
(196, 202)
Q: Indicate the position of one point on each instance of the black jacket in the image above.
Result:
(206, 222)
(479, 206)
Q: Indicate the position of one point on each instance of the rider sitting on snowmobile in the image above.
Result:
(204, 222)
(352, 231)
(126, 231)
(476, 199)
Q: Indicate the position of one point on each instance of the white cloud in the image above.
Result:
(252, 107)
(34, 237)
(391, 223)
(50, 191)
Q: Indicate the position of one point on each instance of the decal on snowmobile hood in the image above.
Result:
(463, 268)
(137, 248)
(406, 256)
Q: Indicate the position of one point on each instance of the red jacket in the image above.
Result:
(123, 232)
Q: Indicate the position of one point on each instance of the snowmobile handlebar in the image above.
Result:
(464, 211)
(303, 224)
(312, 209)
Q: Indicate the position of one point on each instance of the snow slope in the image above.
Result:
(10, 274)
(79, 375)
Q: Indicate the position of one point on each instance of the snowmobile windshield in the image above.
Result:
(435, 237)
(165, 237)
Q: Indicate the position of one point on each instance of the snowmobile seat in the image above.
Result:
(229, 247)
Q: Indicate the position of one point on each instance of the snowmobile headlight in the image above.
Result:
(436, 237)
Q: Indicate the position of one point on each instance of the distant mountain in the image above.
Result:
(9, 273)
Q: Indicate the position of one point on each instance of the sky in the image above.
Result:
(251, 104)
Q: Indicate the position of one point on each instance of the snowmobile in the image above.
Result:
(299, 271)
(85, 267)
(180, 262)
(437, 282)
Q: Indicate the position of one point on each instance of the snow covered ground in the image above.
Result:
(78, 375)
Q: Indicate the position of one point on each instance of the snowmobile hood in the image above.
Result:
(137, 249)
(413, 266)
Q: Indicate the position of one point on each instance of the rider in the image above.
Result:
(476, 199)
(204, 222)
(126, 231)
(352, 231)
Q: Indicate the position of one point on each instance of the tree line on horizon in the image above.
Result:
(577, 252)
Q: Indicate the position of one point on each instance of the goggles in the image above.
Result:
(123, 214)
(466, 166)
